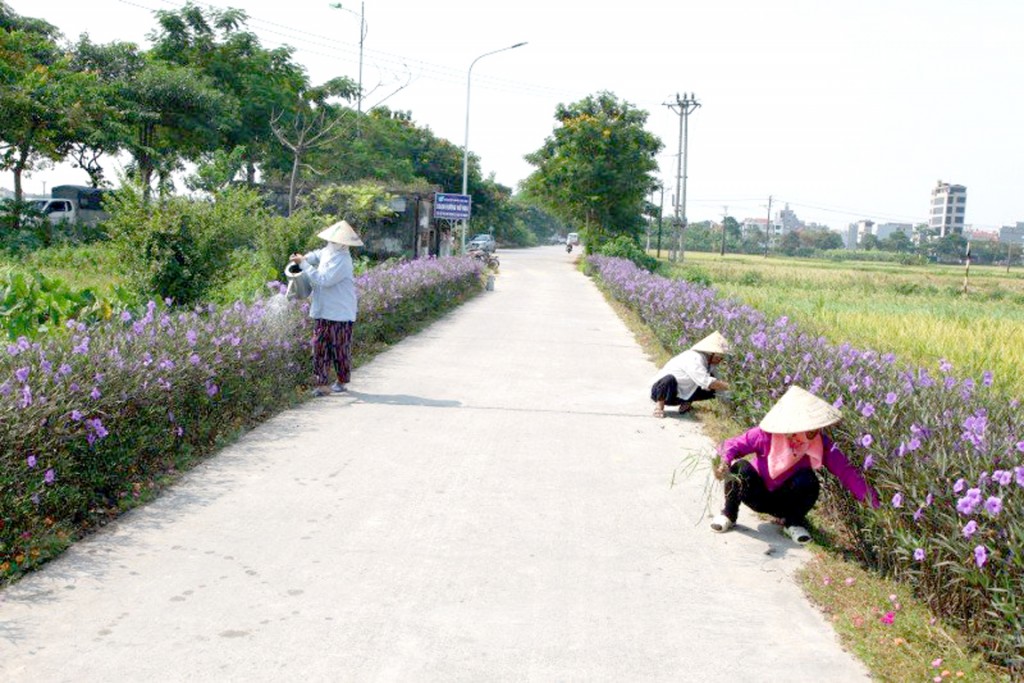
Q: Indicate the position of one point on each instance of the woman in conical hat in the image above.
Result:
(788, 449)
(332, 305)
(690, 376)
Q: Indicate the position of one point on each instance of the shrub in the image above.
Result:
(945, 452)
(626, 247)
(179, 248)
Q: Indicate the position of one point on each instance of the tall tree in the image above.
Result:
(42, 100)
(596, 168)
(262, 81)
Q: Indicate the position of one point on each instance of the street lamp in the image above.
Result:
(362, 36)
(465, 146)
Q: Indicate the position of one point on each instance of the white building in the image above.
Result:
(1009, 234)
(947, 211)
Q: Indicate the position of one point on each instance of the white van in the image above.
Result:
(572, 238)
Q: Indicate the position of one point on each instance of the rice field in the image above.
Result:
(919, 313)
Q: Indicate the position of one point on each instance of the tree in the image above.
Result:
(596, 169)
(313, 122)
(41, 98)
(260, 81)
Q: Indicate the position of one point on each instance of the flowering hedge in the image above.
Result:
(945, 452)
(92, 420)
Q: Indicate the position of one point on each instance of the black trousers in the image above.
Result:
(667, 389)
(791, 502)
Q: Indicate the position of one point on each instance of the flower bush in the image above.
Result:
(945, 452)
(93, 420)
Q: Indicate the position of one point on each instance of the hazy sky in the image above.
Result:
(843, 110)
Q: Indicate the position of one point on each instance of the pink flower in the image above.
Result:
(888, 617)
(850, 581)
(936, 663)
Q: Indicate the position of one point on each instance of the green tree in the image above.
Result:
(596, 168)
(260, 81)
(42, 99)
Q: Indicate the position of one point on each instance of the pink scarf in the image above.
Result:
(781, 456)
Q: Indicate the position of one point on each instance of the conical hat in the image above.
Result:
(713, 343)
(799, 411)
(341, 233)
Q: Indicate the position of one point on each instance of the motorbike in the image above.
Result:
(568, 247)
(487, 258)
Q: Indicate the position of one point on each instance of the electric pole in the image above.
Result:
(683, 106)
(768, 228)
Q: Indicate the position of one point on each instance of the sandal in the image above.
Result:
(684, 408)
(659, 412)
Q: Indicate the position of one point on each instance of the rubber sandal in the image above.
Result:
(658, 412)
(720, 524)
(684, 408)
(798, 534)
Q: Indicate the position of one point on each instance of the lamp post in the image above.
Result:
(362, 37)
(465, 146)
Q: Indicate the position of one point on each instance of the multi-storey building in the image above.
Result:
(948, 204)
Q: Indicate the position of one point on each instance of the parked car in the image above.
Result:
(483, 241)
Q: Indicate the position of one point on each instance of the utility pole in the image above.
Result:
(660, 212)
(725, 213)
(683, 106)
(768, 228)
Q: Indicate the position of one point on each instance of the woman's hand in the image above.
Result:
(719, 468)
(297, 258)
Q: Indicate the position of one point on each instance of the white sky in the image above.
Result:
(843, 110)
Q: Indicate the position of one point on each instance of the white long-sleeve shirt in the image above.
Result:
(691, 370)
(334, 286)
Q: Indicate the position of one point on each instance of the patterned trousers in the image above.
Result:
(332, 345)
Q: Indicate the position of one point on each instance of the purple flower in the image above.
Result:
(913, 444)
(918, 514)
(95, 393)
(76, 415)
(945, 365)
(928, 500)
(1004, 477)
(21, 374)
(891, 397)
(50, 476)
(211, 388)
(919, 554)
(994, 505)
(980, 556)
(867, 440)
(986, 378)
(125, 316)
(897, 500)
(868, 410)
(31, 461)
(1020, 446)
(959, 486)
(1018, 473)
(969, 529)
(869, 462)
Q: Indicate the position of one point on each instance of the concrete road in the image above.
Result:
(492, 501)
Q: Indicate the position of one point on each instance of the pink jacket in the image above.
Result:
(757, 442)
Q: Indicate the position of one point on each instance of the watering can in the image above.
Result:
(299, 286)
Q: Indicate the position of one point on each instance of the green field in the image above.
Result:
(919, 313)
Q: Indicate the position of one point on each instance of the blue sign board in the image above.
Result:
(453, 207)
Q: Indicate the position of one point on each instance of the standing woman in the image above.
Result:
(333, 305)
(781, 479)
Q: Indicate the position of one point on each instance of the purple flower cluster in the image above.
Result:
(115, 402)
(948, 450)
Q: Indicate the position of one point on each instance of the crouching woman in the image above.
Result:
(781, 480)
